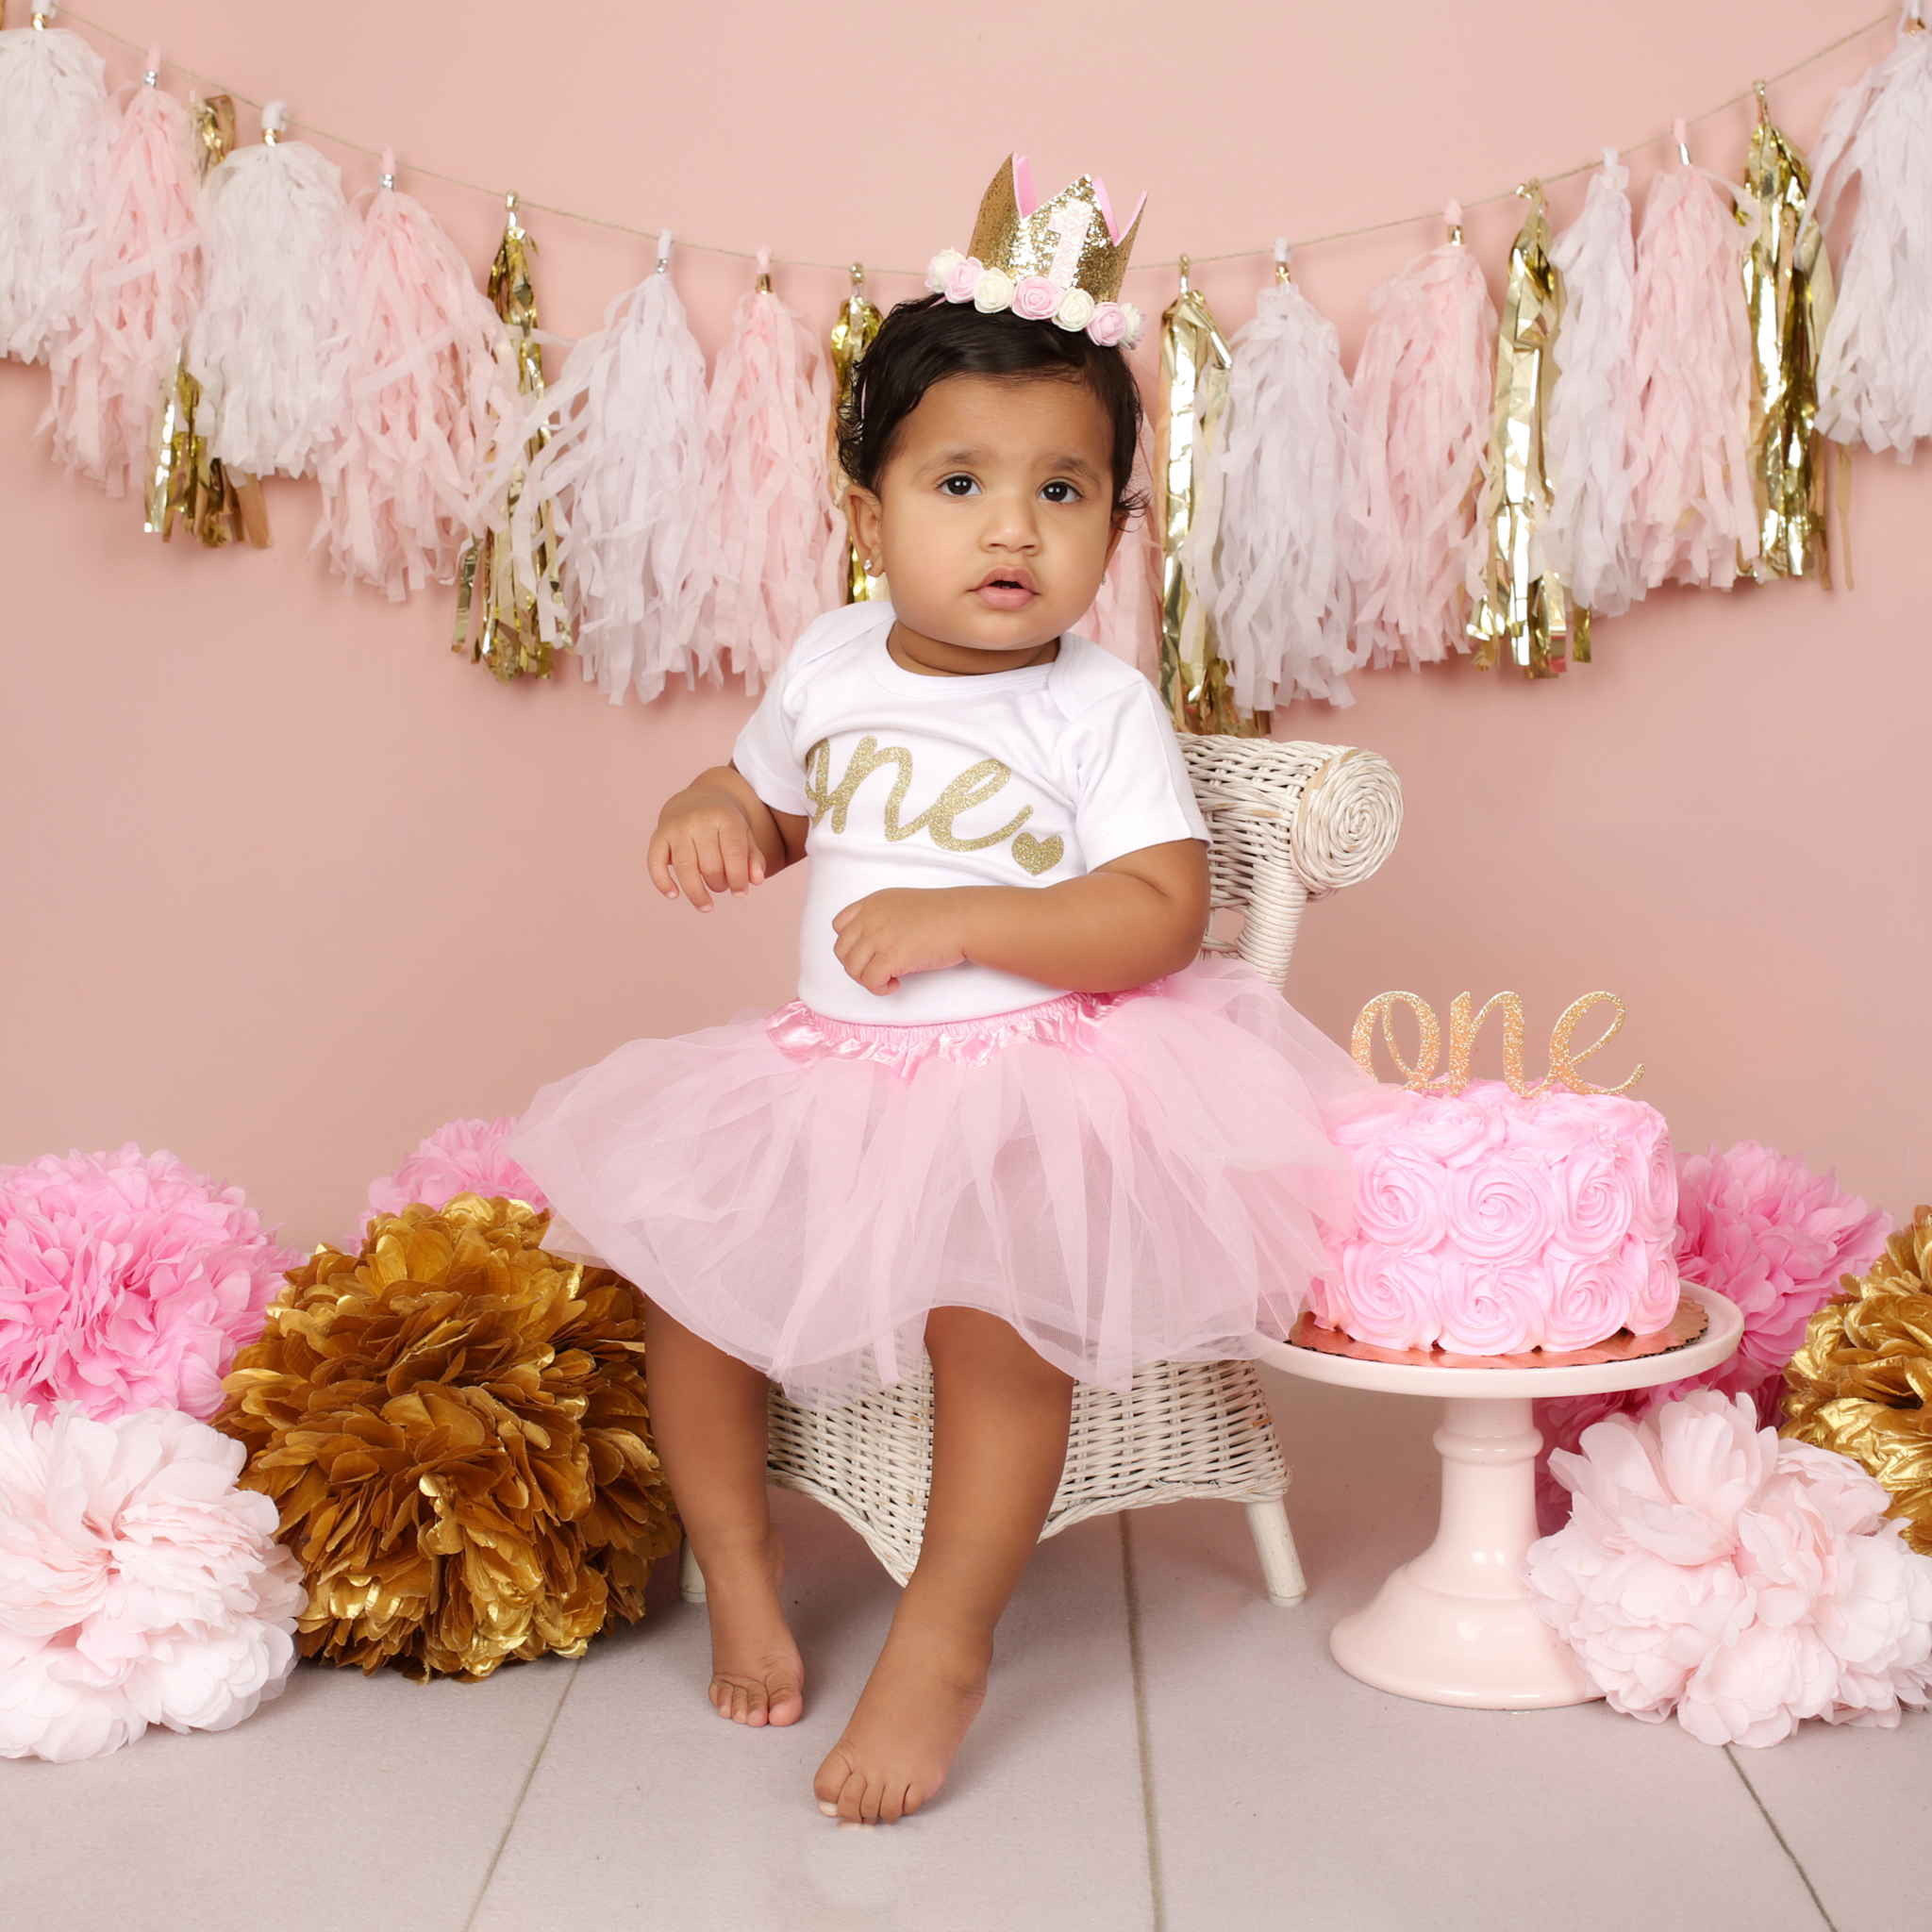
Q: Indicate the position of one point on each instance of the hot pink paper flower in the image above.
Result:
(461, 1158)
(1743, 1583)
(1765, 1232)
(127, 1282)
(138, 1585)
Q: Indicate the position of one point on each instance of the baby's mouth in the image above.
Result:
(1006, 589)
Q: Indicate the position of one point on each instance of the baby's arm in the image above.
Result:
(1134, 919)
(718, 834)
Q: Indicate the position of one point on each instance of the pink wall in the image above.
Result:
(288, 884)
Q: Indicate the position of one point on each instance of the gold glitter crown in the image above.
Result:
(1070, 241)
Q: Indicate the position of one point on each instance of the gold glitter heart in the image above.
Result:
(1039, 854)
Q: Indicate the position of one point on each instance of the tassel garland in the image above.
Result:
(134, 276)
(1874, 364)
(416, 370)
(1516, 596)
(625, 466)
(509, 591)
(53, 92)
(1194, 364)
(766, 558)
(1691, 363)
(858, 322)
(1788, 305)
(1589, 438)
(273, 218)
(1424, 384)
(1283, 598)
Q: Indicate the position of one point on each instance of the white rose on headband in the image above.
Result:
(1076, 309)
(992, 292)
(1136, 322)
(939, 268)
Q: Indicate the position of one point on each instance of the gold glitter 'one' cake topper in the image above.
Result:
(1463, 1028)
(1060, 260)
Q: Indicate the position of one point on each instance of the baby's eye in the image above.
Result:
(959, 485)
(1060, 492)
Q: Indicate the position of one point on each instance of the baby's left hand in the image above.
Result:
(887, 935)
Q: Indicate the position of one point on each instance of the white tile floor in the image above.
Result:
(1247, 1785)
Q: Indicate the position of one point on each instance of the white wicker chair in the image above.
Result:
(1290, 821)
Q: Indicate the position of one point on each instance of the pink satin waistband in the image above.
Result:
(805, 1036)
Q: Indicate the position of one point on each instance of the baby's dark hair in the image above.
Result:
(924, 341)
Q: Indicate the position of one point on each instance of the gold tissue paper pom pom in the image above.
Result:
(1862, 1382)
(453, 1425)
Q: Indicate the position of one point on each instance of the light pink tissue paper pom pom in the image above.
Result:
(127, 1281)
(1743, 1583)
(138, 1585)
(1768, 1234)
(461, 1158)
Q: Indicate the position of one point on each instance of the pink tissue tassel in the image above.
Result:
(134, 276)
(416, 369)
(1425, 385)
(1875, 366)
(765, 561)
(52, 95)
(625, 469)
(1694, 517)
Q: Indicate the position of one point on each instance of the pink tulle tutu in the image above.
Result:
(1124, 1177)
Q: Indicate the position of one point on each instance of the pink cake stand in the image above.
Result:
(1454, 1625)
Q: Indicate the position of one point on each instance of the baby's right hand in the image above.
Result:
(703, 844)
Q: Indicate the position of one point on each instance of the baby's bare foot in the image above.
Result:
(924, 1690)
(756, 1675)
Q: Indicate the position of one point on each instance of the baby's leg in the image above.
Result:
(708, 1418)
(999, 1444)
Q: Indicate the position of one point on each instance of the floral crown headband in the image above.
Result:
(1060, 263)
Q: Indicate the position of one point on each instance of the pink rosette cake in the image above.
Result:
(1489, 1224)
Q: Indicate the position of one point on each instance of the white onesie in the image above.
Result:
(1011, 778)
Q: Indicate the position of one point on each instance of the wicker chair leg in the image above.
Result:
(691, 1579)
(1281, 1569)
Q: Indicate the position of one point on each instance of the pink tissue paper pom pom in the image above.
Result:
(1768, 1234)
(1107, 324)
(461, 1158)
(1036, 298)
(127, 1281)
(1743, 1583)
(138, 1585)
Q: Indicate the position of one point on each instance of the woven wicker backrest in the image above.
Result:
(1289, 820)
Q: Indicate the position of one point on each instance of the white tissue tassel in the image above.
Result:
(271, 221)
(1875, 366)
(1588, 440)
(1283, 599)
(53, 91)
(626, 464)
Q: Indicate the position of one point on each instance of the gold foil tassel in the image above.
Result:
(1194, 362)
(1788, 295)
(857, 323)
(509, 636)
(184, 481)
(1517, 599)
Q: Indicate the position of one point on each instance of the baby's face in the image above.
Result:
(994, 516)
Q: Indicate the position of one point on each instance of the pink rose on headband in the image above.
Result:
(962, 277)
(1036, 298)
(1107, 324)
